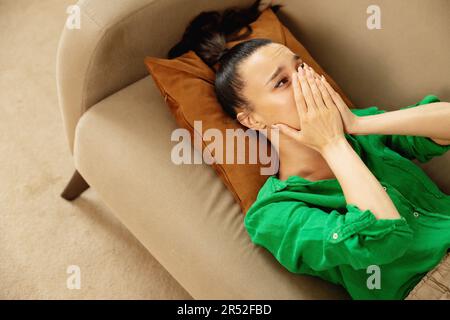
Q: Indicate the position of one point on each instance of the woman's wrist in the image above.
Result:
(356, 127)
(334, 147)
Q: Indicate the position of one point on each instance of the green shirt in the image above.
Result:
(310, 229)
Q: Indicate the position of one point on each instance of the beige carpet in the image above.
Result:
(40, 233)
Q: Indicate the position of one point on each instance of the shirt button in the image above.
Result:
(335, 236)
(416, 214)
(384, 188)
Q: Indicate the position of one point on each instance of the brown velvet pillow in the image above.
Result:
(187, 85)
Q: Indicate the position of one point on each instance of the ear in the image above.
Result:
(249, 120)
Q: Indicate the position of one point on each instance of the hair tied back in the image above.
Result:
(223, 53)
(208, 33)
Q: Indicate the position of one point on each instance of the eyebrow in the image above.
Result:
(295, 57)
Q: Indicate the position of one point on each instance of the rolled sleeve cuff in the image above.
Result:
(426, 149)
(365, 223)
(368, 239)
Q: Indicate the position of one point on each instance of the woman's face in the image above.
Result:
(267, 75)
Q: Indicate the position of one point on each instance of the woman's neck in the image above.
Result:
(300, 160)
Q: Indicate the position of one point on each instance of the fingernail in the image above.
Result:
(274, 126)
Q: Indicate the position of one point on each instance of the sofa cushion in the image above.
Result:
(187, 84)
(183, 215)
(435, 285)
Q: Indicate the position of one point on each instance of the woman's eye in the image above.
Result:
(278, 85)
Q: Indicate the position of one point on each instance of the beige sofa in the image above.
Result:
(118, 126)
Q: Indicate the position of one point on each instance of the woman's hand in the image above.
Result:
(350, 120)
(320, 121)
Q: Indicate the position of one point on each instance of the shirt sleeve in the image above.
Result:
(415, 147)
(295, 234)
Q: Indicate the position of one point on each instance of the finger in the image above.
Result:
(334, 95)
(327, 85)
(313, 72)
(300, 102)
(317, 96)
(288, 131)
(325, 95)
(306, 90)
(298, 96)
(336, 105)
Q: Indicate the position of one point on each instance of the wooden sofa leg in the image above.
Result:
(75, 187)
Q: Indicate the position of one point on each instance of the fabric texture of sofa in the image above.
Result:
(118, 126)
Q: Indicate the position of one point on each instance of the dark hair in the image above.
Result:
(207, 35)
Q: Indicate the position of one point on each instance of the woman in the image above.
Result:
(347, 205)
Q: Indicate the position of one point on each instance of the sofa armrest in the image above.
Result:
(107, 53)
(89, 65)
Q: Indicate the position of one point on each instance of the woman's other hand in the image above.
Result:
(350, 120)
(320, 120)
